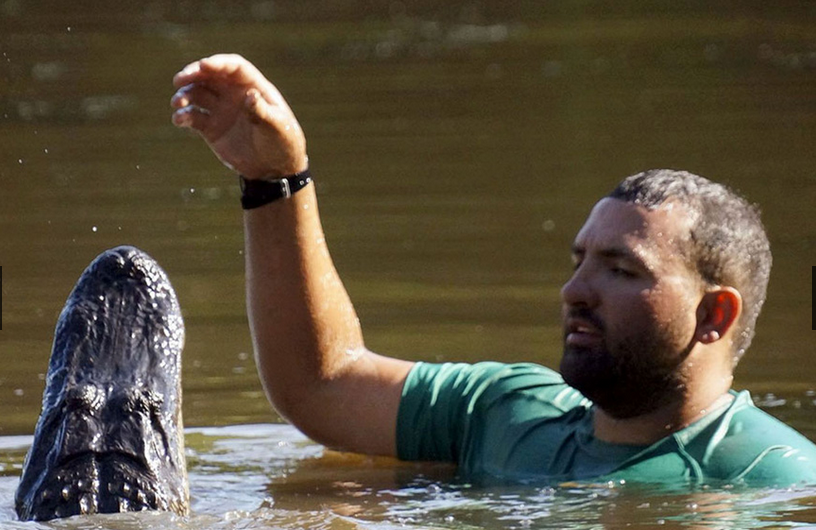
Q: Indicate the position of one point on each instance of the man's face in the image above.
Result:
(630, 307)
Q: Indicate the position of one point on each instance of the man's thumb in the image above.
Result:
(257, 106)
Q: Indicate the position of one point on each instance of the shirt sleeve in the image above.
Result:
(444, 407)
(759, 449)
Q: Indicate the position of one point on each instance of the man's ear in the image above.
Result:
(718, 311)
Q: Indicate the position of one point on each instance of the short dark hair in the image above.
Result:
(727, 245)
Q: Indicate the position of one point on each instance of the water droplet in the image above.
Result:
(45, 150)
(93, 229)
(20, 160)
(551, 68)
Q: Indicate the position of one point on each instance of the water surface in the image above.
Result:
(270, 476)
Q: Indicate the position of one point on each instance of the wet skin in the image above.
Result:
(110, 435)
(630, 308)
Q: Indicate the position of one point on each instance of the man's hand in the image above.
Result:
(241, 116)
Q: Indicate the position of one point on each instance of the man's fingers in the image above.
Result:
(240, 114)
(234, 67)
(187, 75)
(195, 94)
(192, 117)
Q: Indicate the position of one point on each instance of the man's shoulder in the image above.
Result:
(753, 446)
(491, 382)
(454, 411)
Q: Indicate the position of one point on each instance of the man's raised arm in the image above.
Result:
(308, 344)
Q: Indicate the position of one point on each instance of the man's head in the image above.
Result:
(667, 261)
(727, 244)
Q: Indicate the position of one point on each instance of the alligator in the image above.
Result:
(110, 436)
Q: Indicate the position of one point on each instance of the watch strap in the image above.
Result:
(257, 192)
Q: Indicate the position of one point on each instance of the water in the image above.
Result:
(270, 476)
(457, 149)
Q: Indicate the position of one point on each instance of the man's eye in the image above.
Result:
(617, 271)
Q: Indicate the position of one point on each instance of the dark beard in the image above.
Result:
(632, 378)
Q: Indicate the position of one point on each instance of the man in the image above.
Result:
(670, 275)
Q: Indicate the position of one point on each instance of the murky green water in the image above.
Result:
(457, 150)
(269, 476)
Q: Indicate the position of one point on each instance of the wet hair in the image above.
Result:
(727, 244)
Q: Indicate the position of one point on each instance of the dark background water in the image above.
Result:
(457, 150)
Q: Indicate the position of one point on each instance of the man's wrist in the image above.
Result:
(258, 192)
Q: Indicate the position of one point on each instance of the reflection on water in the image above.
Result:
(457, 150)
(269, 476)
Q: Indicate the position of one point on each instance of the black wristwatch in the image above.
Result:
(257, 192)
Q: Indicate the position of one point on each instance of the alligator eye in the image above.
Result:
(155, 399)
(134, 402)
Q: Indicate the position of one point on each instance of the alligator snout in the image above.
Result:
(110, 435)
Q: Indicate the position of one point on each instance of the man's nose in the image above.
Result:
(579, 290)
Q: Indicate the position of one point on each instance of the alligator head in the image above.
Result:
(110, 436)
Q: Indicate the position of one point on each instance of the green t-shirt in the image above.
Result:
(522, 422)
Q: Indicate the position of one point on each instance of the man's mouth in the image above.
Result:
(581, 332)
